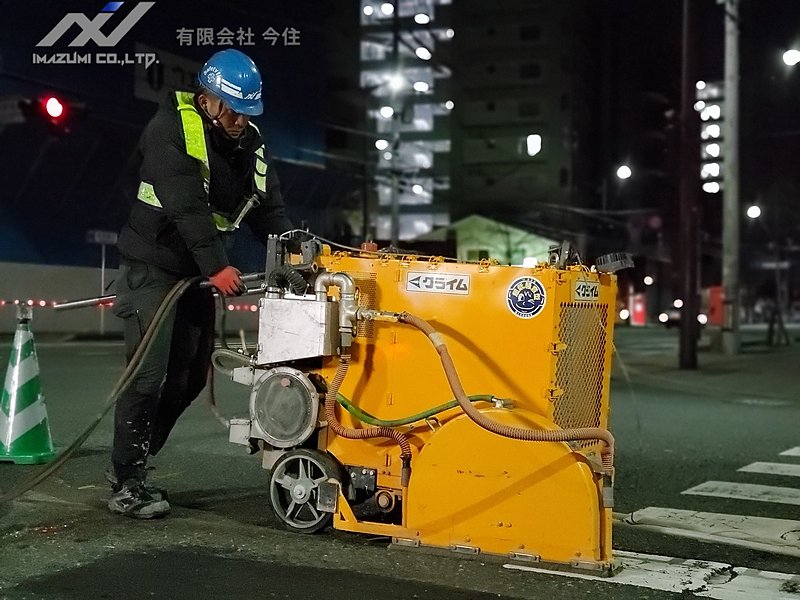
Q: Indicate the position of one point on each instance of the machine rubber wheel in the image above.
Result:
(294, 489)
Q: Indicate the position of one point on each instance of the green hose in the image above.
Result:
(365, 417)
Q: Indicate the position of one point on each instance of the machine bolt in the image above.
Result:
(299, 492)
(384, 500)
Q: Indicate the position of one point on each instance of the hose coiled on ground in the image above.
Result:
(518, 433)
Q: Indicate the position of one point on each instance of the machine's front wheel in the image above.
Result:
(294, 489)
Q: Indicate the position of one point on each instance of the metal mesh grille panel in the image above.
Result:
(579, 367)
(367, 289)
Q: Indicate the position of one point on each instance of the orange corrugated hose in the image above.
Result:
(518, 433)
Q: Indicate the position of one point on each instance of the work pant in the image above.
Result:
(173, 372)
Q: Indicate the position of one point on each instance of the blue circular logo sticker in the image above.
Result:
(526, 297)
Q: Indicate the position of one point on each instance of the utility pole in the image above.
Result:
(689, 189)
(731, 340)
(394, 232)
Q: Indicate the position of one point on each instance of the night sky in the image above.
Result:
(44, 212)
(54, 189)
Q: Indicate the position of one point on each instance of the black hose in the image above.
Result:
(286, 275)
(133, 367)
(241, 360)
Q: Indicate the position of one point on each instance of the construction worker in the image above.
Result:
(204, 171)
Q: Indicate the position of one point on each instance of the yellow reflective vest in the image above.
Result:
(194, 135)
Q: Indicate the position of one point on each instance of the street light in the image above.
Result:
(776, 330)
(622, 172)
(791, 57)
(754, 211)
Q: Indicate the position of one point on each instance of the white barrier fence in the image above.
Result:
(42, 285)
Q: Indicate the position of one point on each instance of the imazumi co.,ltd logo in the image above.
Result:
(91, 30)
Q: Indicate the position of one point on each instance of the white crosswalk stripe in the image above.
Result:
(746, 491)
(757, 533)
(778, 535)
(702, 578)
(768, 468)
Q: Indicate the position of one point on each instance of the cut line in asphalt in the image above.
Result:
(781, 536)
(702, 578)
(746, 491)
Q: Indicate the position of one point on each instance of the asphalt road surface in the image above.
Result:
(676, 433)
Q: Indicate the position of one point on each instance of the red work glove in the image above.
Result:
(227, 281)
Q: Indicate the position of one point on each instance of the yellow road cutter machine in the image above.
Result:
(447, 405)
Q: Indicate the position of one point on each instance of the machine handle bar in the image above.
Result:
(97, 301)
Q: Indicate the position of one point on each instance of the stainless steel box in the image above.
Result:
(294, 328)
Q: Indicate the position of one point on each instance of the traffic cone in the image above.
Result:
(24, 432)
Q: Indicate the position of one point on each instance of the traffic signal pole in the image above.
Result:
(731, 341)
(689, 190)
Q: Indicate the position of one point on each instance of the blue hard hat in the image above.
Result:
(234, 77)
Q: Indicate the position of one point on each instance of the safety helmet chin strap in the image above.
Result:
(215, 118)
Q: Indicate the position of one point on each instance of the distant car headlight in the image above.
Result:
(663, 317)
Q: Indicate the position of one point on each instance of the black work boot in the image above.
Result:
(156, 492)
(132, 499)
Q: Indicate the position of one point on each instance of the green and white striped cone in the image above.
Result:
(24, 432)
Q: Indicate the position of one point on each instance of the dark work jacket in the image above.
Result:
(181, 237)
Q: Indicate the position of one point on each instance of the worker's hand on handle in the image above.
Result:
(228, 281)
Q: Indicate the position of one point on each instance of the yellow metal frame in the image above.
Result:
(471, 488)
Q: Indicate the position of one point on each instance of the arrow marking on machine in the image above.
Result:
(702, 578)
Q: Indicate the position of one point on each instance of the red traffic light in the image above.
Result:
(59, 114)
(53, 107)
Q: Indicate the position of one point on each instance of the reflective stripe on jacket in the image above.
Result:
(195, 138)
